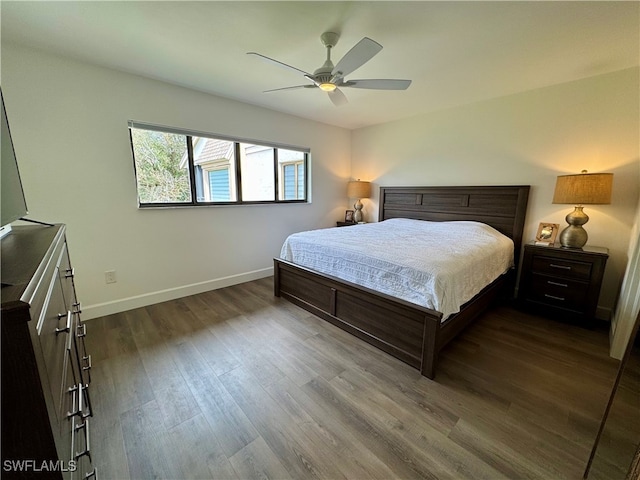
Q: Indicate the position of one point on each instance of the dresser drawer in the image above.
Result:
(561, 267)
(66, 273)
(559, 292)
(55, 341)
(81, 449)
(69, 404)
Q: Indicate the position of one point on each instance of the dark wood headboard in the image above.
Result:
(502, 207)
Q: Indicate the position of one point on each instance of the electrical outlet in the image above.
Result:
(110, 276)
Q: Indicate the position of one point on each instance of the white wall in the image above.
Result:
(627, 309)
(69, 126)
(527, 138)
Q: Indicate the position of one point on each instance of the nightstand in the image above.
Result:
(562, 282)
(345, 224)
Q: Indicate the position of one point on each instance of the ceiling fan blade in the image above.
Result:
(276, 62)
(338, 98)
(378, 84)
(289, 88)
(361, 53)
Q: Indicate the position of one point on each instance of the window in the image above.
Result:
(258, 179)
(214, 166)
(293, 180)
(176, 167)
(160, 174)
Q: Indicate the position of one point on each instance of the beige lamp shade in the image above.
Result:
(359, 189)
(584, 188)
(578, 190)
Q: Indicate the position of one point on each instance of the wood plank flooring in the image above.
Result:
(238, 384)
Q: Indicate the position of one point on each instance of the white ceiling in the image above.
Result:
(455, 52)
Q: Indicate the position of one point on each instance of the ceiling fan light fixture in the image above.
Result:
(327, 87)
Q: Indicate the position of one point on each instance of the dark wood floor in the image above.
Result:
(236, 383)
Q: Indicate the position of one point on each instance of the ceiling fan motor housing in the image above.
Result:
(324, 70)
(329, 39)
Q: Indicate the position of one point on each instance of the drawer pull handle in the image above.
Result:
(73, 412)
(87, 368)
(82, 396)
(67, 328)
(77, 308)
(88, 400)
(92, 474)
(81, 331)
(70, 272)
(563, 267)
(88, 360)
(87, 449)
(554, 297)
(557, 284)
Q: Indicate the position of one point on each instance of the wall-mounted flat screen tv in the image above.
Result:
(14, 205)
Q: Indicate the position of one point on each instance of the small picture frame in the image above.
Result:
(348, 216)
(547, 233)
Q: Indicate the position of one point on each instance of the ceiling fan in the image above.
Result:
(329, 77)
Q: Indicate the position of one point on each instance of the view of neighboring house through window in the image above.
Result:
(258, 178)
(291, 174)
(175, 167)
(214, 162)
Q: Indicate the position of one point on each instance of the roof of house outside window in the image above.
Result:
(212, 150)
(207, 150)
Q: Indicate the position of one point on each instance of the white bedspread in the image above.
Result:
(438, 265)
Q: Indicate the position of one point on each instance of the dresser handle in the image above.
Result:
(83, 333)
(92, 474)
(87, 450)
(88, 400)
(80, 400)
(88, 360)
(67, 328)
(82, 391)
(557, 284)
(72, 390)
(70, 272)
(77, 308)
(554, 297)
(563, 267)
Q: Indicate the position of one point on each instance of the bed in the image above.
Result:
(409, 331)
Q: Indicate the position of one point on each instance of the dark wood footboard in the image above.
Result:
(409, 332)
(402, 329)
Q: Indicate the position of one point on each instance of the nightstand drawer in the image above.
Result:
(559, 292)
(561, 268)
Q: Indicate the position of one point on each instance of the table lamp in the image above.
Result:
(358, 189)
(584, 188)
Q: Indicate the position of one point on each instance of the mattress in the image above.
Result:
(438, 265)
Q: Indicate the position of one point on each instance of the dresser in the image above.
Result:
(562, 282)
(46, 371)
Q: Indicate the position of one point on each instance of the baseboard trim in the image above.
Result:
(122, 305)
(603, 313)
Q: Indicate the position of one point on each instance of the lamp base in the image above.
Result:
(574, 236)
(357, 215)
